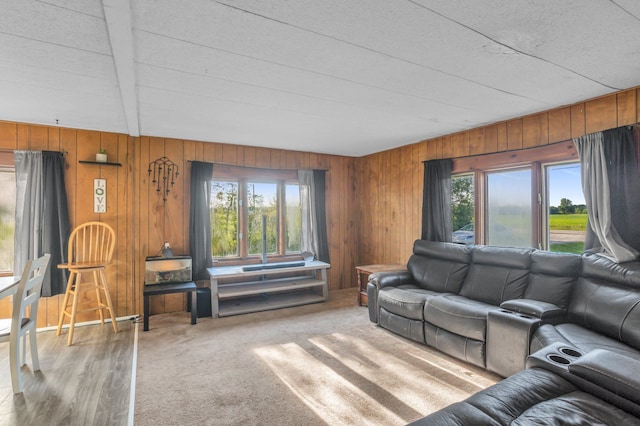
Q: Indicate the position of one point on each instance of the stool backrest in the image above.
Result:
(92, 242)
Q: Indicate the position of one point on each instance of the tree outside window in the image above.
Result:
(262, 202)
(237, 211)
(462, 205)
(224, 219)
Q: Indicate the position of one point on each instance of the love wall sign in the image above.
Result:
(99, 195)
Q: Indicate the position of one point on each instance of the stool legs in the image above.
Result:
(98, 297)
(74, 288)
(107, 296)
(65, 300)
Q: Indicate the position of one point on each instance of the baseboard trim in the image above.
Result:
(134, 367)
(85, 323)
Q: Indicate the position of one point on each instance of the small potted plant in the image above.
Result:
(101, 156)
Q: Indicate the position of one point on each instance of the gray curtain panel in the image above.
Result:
(313, 211)
(56, 226)
(437, 224)
(624, 182)
(199, 219)
(27, 239)
(308, 235)
(319, 178)
(609, 170)
(42, 215)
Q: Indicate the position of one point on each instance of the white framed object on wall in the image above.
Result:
(99, 195)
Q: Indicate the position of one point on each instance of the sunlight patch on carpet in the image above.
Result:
(475, 380)
(333, 398)
(419, 388)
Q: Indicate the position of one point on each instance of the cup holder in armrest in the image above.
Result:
(565, 356)
(571, 352)
(558, 359)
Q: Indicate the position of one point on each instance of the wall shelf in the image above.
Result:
(99, 163)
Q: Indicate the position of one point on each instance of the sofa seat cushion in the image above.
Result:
(458, 315)
(469, 350)
(409, 328)
(533, 396)
(579, 337)
(405, 300)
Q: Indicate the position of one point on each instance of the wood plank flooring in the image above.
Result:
(88, 383)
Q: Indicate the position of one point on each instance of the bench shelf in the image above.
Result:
(266, 289)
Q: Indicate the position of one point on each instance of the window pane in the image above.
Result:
(462, 209)
(294, 220)
(567, 211)
(7, 218)
(224, 219)
(509, 208)
(262, 200)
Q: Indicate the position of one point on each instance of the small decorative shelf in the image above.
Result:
(100, 164)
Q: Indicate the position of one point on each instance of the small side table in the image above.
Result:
(363, 273)
(157, 289)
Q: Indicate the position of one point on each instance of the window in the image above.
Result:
(294, 218)
(462, 209)
(566, 211)
(224, 218)
(250, 205)
(508, 208)
(7, 217)
(536, 201)
(262, 208)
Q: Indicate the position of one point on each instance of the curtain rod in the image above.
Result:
(636, 125)
(41, 150)
(500, 152)
(249, 167)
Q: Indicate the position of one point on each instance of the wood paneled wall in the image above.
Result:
(373, 203)
(83, 145)
(389, 184)
(143, 222)
(156, 222)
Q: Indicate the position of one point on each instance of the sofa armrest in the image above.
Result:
(547, 312)
(612, 371)
(390, 279)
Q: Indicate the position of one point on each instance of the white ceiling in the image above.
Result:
(346, 77)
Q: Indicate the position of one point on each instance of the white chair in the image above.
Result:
(21, 322)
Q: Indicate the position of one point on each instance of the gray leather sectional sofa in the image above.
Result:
(506, 309)
(539, 396)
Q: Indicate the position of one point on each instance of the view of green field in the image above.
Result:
(566, 227)
(573, 222)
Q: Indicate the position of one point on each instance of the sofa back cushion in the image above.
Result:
(497, 274)
(552, 277)
(439, 267)
(606, 299)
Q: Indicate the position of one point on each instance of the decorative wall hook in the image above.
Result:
(165, 173)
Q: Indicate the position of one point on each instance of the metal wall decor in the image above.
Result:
(165, 173)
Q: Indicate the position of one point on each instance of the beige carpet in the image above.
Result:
(311, 365)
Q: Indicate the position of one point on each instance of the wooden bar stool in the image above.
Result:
(91, 247)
